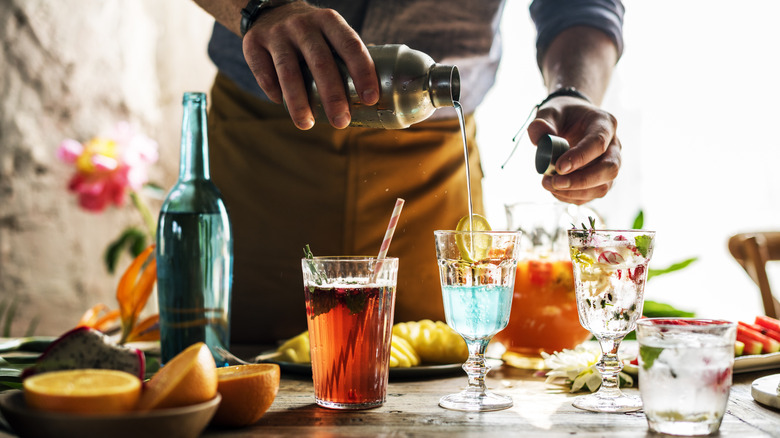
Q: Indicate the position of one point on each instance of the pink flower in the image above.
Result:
(108, 167)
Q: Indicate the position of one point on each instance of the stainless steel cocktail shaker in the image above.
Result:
(411, 87)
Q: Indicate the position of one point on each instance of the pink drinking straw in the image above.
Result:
(399, 204)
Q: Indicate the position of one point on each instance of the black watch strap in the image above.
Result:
(254, 8)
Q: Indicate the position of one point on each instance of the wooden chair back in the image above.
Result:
(753, 251)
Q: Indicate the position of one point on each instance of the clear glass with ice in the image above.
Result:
(685, 369)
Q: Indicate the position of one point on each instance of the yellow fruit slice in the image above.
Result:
(402, 354)
(295, 350)
(83, 391)
(473, 247)
(434, 342)
(187, 379)
(247, 393)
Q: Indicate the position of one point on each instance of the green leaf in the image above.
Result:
(653, 309)
(155, 190)
(649, 355)
(672, 268)
(132, 238)
(9, 385)
(639, 221)
(356, 301)
(321, 301)
(33, 344)
(643, 244)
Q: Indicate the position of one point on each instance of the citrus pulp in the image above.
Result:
(83, 391)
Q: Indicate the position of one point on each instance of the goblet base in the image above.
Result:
(476, 402)
(597, 403)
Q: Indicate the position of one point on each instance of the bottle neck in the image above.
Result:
(194, 138)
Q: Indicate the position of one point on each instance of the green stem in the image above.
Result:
(146, 214)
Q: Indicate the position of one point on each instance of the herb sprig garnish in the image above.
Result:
(586, 232)
(319, 278)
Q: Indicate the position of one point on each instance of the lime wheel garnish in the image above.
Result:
(473, 247)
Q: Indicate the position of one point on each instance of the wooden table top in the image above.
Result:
(539, 411)
(412, 410)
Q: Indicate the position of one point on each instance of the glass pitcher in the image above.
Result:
(544, 310)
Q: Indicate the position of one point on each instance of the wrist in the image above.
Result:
(565, 91)
(254, 9)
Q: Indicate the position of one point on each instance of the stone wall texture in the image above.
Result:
(73, 69)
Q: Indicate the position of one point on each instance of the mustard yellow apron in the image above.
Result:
(335, 191)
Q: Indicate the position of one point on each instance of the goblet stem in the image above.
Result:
(609, 366)
(476, 367)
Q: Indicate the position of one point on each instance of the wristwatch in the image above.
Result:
(254, 8)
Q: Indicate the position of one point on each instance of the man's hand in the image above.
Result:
(287, 35)
(587, 170)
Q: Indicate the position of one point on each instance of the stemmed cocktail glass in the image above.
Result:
(610, 270)
(477, 272)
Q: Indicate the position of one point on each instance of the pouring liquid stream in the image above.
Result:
(462, 121)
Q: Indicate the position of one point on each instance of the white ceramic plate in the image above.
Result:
(756, 362)
(764, 390)
(184, 422)
(742, 364)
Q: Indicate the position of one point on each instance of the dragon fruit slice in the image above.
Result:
(85, 347)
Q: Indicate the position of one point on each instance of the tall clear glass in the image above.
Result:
(610, 271)
(194, 248)
(349, 308)
(477, 273)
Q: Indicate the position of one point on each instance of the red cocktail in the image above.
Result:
(350, 318)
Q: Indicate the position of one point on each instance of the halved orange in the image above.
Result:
(187, 379)
(83, 391)
(247, 393)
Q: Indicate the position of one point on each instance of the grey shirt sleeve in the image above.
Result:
(551, 17)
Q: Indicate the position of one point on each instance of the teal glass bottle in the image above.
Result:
(194, 248)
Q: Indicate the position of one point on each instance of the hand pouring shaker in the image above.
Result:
(411, 87)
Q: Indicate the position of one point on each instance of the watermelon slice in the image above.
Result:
(751, 346)
(767, 322)
(768, 344)
(763, 330)
(739, 348)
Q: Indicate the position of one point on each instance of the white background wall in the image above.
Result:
(695, 94)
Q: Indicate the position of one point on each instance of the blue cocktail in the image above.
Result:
(477, 272)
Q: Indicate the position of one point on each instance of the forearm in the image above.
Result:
(226, 12)
(580, 57)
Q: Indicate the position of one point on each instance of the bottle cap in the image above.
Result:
(548, 150)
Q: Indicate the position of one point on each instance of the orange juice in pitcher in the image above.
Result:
(544, 311)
